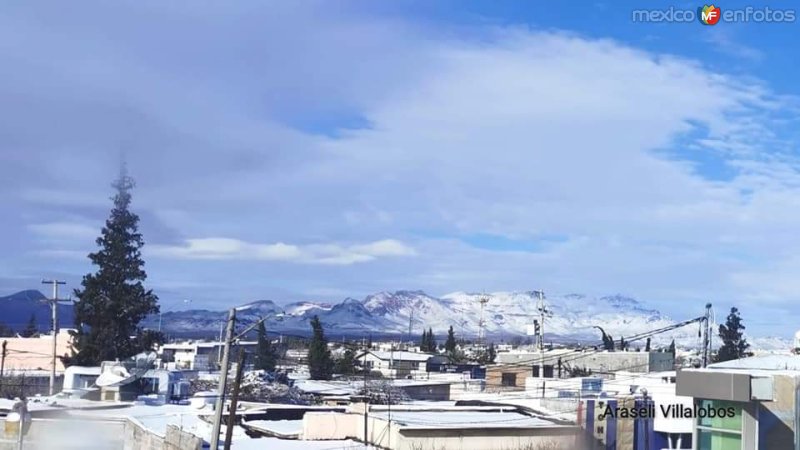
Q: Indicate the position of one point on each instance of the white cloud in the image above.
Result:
(510, 132)
(65, 230)
(234, 249)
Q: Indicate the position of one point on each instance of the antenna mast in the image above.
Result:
(707, 334)
(482, 333)
(541, 306)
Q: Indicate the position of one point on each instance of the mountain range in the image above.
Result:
(506, 316)
(16, 311)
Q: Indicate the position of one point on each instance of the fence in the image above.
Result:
(21, 385)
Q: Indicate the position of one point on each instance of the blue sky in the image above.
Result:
(319, 150)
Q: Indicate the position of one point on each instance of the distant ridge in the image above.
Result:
(17, 309)
(507, 316)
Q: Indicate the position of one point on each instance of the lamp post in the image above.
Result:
(223, 376)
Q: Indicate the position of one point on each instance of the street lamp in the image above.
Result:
(223, 377)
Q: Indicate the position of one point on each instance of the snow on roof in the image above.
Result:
(153, 417)
(762, 362)
(464, 419)
(401, 356)
(325, 387)
(290, 429)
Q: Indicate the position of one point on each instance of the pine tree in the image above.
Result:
(431, 341)
(423, 343)
(488, 356)
(346, 365)
(320, 364)
(266, 357)
(608, 342)
(491, 354)
(113, 300)
(672, 348)
(622, 343)
(734, 345)
(450, 343)
(647, 345)
(31, 329)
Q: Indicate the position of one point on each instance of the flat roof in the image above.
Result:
(464, 419)
(400, 356)
(762, 362)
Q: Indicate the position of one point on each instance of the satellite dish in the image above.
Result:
(114, 376)
(127, 371)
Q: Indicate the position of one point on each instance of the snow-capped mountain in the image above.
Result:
(505, 315)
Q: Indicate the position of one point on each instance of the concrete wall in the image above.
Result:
(34, 353)
(59, 433)
(598, 362)
(486, 439)
(776, 419)
(494, 377)
(337, 426)
(137, 437)
(431, 392)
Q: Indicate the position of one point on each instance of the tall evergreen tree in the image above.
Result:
(320, 364)
(346, 365)
(31, 329)
(734, 345)
(113, 301)
(266, 355)
(647, 345)
(450, 343)
(428, 342)
(671, 348)
(608, 342)
(488, 355)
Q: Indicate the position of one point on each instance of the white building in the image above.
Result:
(197, 355)
(396, 364)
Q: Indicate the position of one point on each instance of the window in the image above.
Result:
(509, 379)
(719, 433)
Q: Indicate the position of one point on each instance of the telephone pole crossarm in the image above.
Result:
(54, 310)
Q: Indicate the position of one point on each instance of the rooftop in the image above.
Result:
(400, 356)
(762, 362)
(473, 418)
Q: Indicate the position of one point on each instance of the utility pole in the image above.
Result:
(541, 306)
(481, 332)
(54, 307)
(366, 400)
(707, 334)
(411, 326)
(234, 400)
(223, 378)
(2, 365)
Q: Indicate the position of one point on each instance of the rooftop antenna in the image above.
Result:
(541, 307)
(707, 334)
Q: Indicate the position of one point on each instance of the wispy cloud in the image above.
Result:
(65, 230)
(333, 254)
(508, 132)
